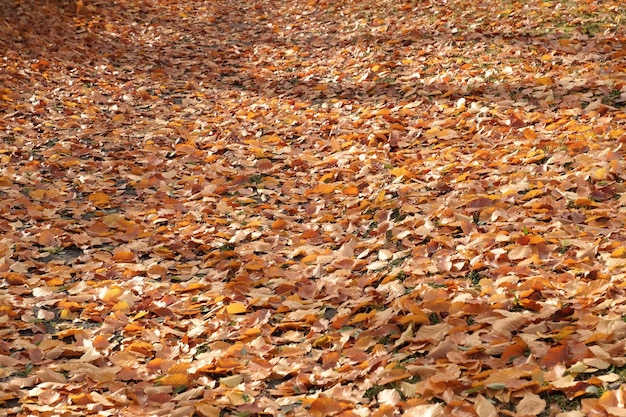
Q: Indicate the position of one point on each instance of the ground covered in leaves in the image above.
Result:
(312, 208)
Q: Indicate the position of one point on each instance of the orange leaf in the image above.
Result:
(352, 190)
(309, 259)
(419, 318)
(14, 278)
(323, 189)
(143, 348)
(47, 238)
(274, 139)
(156, 364)
(124, 256)
(515, 350)
(529, 134)
(54, 282)
(100, 342)
(310, 233)
(186, 148)
(80, 399)
(385, 411)
(544, 81)
(325, 406)
(555, 355)
(99, 199)
(279, 224)
(98, 229)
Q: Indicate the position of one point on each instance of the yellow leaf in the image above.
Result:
(462, 177)
(175, 379)
(178, 368)
(532, 194)
(321, 341)
(309, 259)
(139, 315)
(360, 317)
(323, 189)
(399, 172)
(619, 252)
(120, 306)
(231, 381)
(599, 174)
(253, 331)
(236, 308)
(66, 314)
(254, 266)
(80, 399)
(37, 194)
(111, 295)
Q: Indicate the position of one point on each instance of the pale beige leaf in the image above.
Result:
(425, 410)
(484, 407)
(531, 405)
(389, 397)
(434, 333)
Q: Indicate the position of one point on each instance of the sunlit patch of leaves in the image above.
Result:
(246, 209)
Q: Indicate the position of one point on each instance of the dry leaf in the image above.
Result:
(484, 407)
(531, 405)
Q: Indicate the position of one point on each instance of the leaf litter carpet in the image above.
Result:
(312, 208)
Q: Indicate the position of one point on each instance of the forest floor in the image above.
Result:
(312, 208)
